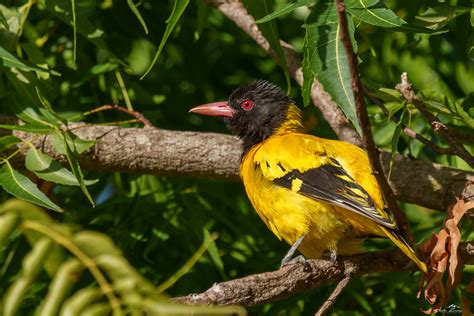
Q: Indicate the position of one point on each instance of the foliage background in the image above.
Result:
(159, 222)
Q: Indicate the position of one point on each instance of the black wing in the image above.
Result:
(332, 184)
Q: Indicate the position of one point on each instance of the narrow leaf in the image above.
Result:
(375, 13)
(178, 9)
(9, 60)
(8, 223)
(20, 186)
(32, 128)
(74, 28)
(326, 59)
(137, 13)
(188, 265)
(49, 169)
(4, 22)
(73, 146)
(32, 265)
(66, 277)
(289, 7)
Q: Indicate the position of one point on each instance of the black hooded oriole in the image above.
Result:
(317, 194)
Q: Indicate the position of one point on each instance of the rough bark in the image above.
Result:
(235, 11)
(293, 279)
(211, 155)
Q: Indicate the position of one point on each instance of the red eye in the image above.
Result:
(246, 105)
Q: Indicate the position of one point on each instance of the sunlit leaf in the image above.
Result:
(20, 186)
(9, 60)
(70, 145)
(178, 8)
(289, 7)
(64, 11)
(374, 12)
(32, 128)
(49, 169)
(3, 20)
(438, 16)
(137, 13)
(326, 58)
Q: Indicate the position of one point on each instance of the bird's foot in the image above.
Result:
(296, 260)
(333, 255)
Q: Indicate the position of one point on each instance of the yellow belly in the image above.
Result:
(290, 215)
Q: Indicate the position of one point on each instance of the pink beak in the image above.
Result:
(220, 108)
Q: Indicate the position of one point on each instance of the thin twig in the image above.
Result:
(405, 88)
(408, 131)
(363, 117)
(135, 114)
(334, 295)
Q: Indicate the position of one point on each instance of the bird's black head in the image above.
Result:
(253, 111)
(259, 109)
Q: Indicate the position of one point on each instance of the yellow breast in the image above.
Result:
(288, 214)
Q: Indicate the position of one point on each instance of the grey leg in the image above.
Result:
(291, 252)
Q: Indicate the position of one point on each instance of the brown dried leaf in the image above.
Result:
(444, 255)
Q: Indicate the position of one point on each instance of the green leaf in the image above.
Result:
(76, 144)
(214, 253)
(289, 7)
(32, 265)
(96, 70)
(66, 277)
(4, 22)
(20, 186)
(437, 17)
(11, 61)
(326, 59)
(178, 9)
(259, 8)
(49, 169)
(68, 144)
(137, 13)
(29, 127)
(374, 12)
(8, 141)
(29, 97)
(64, 11)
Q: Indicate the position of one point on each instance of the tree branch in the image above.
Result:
(405, 88)
(293, 279)
(235, 11)
(334, 295)
(217, 156)
(363, 117)
(408, 131)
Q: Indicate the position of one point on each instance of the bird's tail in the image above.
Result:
(405, 247)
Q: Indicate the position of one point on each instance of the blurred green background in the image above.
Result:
(159, 222)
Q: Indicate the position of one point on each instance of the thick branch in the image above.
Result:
(210, 155)
(235, 11)
(293, 279)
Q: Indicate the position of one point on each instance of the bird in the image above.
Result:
(319, 195)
